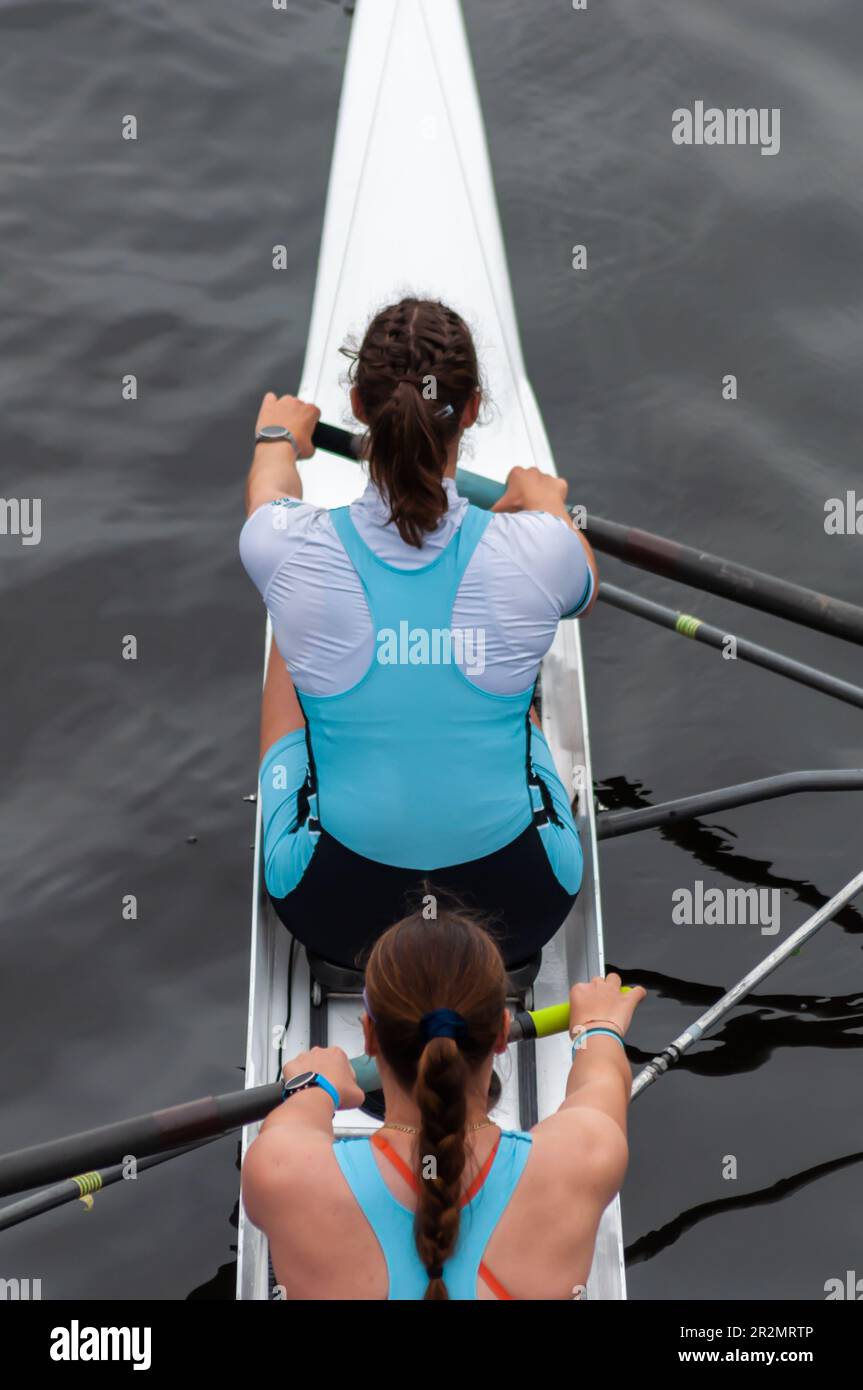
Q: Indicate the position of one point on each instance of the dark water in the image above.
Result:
(153, 258)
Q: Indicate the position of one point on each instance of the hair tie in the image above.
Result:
(442, 1023)
(443, 414)
(435, 1272)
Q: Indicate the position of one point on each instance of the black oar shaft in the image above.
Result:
(752, 652)
(138, 1137)
(337, 441)
(727, 579)
(85, 1185)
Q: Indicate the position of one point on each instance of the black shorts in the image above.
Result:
(344, 902)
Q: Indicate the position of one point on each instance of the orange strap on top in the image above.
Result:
(410, 1177)
(495, 1285)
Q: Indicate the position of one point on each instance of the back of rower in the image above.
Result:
(441, 1203)
(399, 755)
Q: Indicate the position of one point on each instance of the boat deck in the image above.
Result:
(411, 207)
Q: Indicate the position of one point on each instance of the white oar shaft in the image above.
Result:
(696, 1030)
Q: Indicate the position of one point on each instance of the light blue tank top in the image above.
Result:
(393, 1224)
(416, 767)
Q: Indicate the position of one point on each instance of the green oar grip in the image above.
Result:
(554, 1019)
(366, 1073)
(482, 492)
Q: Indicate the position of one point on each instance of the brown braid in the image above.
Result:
(417, 358)
(415, 967)
(441, 1097)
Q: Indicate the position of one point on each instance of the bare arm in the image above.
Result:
(274, 465)
(281, 712)
(296, 1136)
(585, 1140)
(600, 1077)
(531, 490)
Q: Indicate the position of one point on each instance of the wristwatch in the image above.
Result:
(274, 434)
(305, 1081)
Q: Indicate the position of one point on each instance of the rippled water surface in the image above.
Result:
(128, 778)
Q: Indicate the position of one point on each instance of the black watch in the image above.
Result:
(305, 1081)
(298, 1083)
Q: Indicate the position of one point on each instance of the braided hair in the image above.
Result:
(416, 968)
(416, 370)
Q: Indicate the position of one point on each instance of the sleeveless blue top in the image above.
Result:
(416, 767)
(393, 1224)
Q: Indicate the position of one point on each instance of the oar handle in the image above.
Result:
(337, 441)
(527, 1023)
(482, 492)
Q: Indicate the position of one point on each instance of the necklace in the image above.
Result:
(415, 1129)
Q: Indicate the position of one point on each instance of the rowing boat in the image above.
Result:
(411, 208)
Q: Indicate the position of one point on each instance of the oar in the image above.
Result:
(698, 631)
(649, 552)
(84, 1187)
(214, 1116)
(675, 1050)
(217, 1115)
(180, 1125)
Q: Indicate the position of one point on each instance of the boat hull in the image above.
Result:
(411, 208)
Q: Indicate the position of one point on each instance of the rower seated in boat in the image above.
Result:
(400, 751)
(440, 1203)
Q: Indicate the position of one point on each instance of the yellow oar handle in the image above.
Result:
(544, 1023)
(554, 1019)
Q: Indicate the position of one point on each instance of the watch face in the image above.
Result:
(297, 1083)
(272, 432)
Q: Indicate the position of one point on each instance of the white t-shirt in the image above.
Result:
(529, 569)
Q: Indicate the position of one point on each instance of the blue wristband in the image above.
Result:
(330, 1089)
(592, 1032)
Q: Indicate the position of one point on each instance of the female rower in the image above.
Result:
(441, 1203)
(397, 742)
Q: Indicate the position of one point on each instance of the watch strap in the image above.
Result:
(285, 438)
(330, 1089)
(316, 1080)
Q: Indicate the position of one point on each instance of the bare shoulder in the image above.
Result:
(544, 1244)
(294, 1191)
(582, 1151)
(287, 1171)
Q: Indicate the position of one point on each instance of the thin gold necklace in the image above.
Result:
(415, 1129)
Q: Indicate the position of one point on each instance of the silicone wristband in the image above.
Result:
(595, 1032)
(330, 1089)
